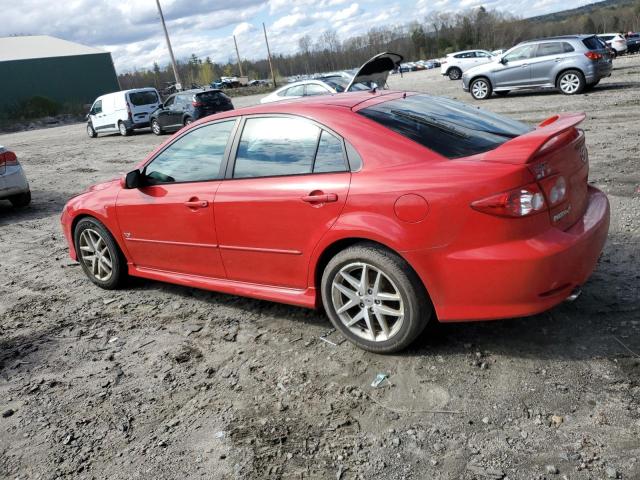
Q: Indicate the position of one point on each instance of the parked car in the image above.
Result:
(185, 107)
(633, 42)
(455, 64)
(13, 182)
(388, 209)
(122, 111)
(570, 63)
(258, 83)
(372, 74)
(616, 41)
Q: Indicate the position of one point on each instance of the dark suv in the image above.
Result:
(183, 108)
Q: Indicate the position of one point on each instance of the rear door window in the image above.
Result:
(143, 98)
(315, 89)
(552, 48)
(445, 126)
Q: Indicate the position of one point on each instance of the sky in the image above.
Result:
(132, 32)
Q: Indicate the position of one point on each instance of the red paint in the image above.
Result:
(264, 237)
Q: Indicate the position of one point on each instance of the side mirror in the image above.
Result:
(133, 180)
(503, 60)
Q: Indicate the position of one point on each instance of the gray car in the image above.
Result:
(570, 63)
(13, 182)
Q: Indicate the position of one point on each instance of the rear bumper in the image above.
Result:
(13, 182)
(519, 278)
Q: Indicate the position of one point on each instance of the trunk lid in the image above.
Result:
(555, 149)
(376, 70)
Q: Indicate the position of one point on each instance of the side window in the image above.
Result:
(521, 53)
(276, 146)
(314, 89)
(552, 48)
(194, 157)
(170, 101)
(330, 156)
(296, 91)
(482, 55)
(97, 107)
(567, 47)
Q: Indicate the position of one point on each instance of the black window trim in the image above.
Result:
(231, 161)
(225, 155)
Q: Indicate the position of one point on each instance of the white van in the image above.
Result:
(122, 111)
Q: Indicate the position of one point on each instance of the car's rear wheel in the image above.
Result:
(91, 131)
(374, 298)
(124, 131)
(98, 253)
(480, 89)
(21, 200)
(455, 73)
(571, 82)
(155, 127)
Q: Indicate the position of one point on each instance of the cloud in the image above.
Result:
(289, 21)
(243, 27)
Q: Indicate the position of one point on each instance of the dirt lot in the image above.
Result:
(162, 382)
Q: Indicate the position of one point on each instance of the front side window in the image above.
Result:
(296, 91)
(194, 157)
(520, 53)
(483, 55)
(314, 89)
(97, 107)
(445, 126)
(170, 101)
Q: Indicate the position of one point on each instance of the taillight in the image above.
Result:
(520, 202)
(129, 112)
(555, 189)
(197, 104)
(8, 159)
(593, 55)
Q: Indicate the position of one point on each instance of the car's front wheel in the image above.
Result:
(98, 253)
(155, 127)
(455, 73)
(480, 89)
(571, 82)
(188, 121)
(374, 298)
(91, 131)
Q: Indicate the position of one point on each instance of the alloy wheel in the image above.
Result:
(90, 130)
(480, 89)
(155, 127)
(570, 83)
(123, 129)
(95, 254)
(367, 302)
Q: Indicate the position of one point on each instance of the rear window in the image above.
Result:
(143, 98)
(592, 43)
(445, 126)
(210, 97)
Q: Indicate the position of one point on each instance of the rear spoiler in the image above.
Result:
(524, 148)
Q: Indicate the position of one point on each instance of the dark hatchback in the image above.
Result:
(183, 108)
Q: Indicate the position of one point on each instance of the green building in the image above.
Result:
(62, 71)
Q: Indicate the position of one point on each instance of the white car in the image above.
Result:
(615, 41)
(373, 74)
(13, 182)
(455, 64)
(122, 111)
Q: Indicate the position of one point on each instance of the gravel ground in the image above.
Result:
(160, 381)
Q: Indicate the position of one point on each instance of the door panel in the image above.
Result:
(267, 229)
(515, 71)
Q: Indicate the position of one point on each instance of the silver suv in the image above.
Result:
(570, 63)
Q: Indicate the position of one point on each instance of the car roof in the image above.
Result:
(467, 51)
(559, 37)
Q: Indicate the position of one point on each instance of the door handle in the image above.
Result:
(320, 198)
(525, 65)
(196, 204)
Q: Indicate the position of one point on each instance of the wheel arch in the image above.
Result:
(80, 216)
(567, 69)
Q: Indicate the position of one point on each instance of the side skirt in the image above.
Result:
(299, 297)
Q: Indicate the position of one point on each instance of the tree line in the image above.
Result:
(434, 36)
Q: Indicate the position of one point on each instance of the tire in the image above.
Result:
(156, 128)
(454, 73)
(398, 283)
(91, 131)
(187, 121)
(124, 131)
(21, 200)
(480, 88)
(90, 235)
(502, 93)
(571, 82)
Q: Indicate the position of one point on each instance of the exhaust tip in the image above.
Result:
(573, 296)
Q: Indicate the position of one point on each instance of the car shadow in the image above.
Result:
(602, 87)
(44, 203)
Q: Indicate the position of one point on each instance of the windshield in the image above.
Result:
(143, 98)
(445, 126)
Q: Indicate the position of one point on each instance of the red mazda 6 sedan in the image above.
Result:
(385, 208)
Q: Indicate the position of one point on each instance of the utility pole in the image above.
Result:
(273, 75)
(173, 59)
(238, 55)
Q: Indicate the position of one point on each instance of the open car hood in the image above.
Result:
(376, 70)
